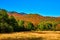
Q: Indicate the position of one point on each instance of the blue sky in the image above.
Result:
(42, 7)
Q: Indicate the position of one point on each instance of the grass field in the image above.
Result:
(42, 35)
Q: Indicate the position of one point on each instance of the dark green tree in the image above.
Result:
(3, 15)
(30, 26)
(4, 20)
(5, 28)
(21, 25)
(13, 23)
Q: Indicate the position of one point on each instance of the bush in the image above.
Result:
(41, 27)
(46, 26)
(9, 29)
(5, 28)
(29, 26)
(21, 25)
(13, 23)
(57, 27)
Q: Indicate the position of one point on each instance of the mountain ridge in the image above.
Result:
(34, 18)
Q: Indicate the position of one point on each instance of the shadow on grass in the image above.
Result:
(40, 38)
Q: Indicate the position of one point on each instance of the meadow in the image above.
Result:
(33, 35)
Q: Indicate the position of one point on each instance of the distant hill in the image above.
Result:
(12, 12)
(34, 18)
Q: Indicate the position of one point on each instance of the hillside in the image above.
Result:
(34, 18)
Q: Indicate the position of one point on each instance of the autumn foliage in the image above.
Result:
(16, 22)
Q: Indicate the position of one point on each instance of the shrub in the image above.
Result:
(9, 29)
(41, 27)
(46, 25)
(21, 25)
(57, 27)
(29, 26)
(13, 23)
(5, 28)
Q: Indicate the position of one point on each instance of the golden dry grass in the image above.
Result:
(42, 35)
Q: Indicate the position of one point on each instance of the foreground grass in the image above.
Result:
(42, 35)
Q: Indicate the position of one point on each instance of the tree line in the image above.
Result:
(10, 24)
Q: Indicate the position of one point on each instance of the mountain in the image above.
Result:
(34, 18)
(12, 12)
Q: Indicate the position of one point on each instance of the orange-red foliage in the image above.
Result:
(35, 19)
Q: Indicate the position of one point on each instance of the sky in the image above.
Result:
(42, 7)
